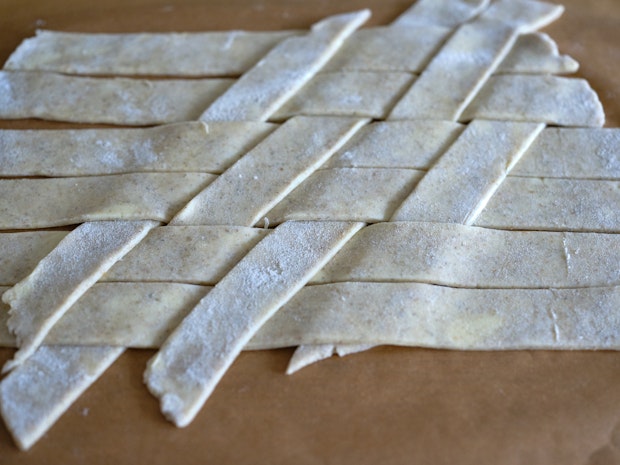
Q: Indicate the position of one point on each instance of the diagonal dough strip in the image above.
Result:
(59, 279)
(265, 175)
(132, 102)
(194, 358)
(226, 53)
(459, 185)
(184, 148)
(472, 54)
(283, 71)
(37, 393)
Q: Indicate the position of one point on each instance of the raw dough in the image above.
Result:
(182, 147)
(283, 71)
(39, 301)
(265, 175)
(42, 203)
(195, 356)
(459, 185)
(137, 102)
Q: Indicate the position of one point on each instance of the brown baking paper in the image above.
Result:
(389, 405)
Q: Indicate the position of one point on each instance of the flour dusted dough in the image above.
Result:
(368, 195)
(473, 52)
(20, 253)
(461, 182)
(350, 93)
(537, 53)
(186, 254)
(265, 175)
(37, 393)
(442, 317)
(550, 99)
(39, 301)
(32, 94)
(182, 147)
(465, 256)
(41, 203)
(283, 71)
(193, 359)
(228, 53)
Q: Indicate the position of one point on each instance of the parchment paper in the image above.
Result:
(389, 405)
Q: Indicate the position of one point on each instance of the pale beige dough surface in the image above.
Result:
(262, 177)
(459, 185)
(263, 89)
(372, 195)
(473, 53)
(413, 314)
(122, 101)
(369, 195)
(41, 203)
(57, 282)
(186, 254)
(228, 53)
(347, 93)
(537, 53)
(560, 205)
(442, 317)
(466, 256)
(396, 144)
(550, 99)
(182, 147)
(37, 393)
(195, 356)
(20, 252)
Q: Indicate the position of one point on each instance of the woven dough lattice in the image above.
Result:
(433, 182)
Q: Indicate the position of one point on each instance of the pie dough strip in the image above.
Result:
(586, 153)
(561, 205)
(195, 356)
(228, 53)
(414, 314)
(363, 94)
(459, 185)
(41, 299)
(466, 256)
(356, 313)
(131, 102)
(350, 93)
(42, 203)
(537, 53)
(327, 196)
(232, 53)
(257, 94)
(571, 102)
(439, 253)
(247, 195)
(465, 62)
(182, 147)
(20, 253)
(37, 393)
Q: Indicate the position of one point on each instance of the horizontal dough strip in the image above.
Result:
(438, 253)
(145, 102)
(412, 314)
(339, 194)
(372, 195)
(181, 147)
(589, 153)
(42, 203)
(231, 53)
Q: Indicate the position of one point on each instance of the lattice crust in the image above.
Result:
(456, 220)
